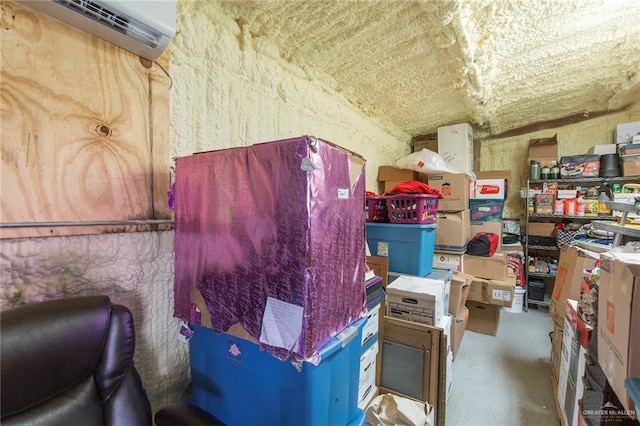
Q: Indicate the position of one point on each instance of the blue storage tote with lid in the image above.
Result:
(408, 247)
(241, 384)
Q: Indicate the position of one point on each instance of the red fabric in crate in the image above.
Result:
(414, 187)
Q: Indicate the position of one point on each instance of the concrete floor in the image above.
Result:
(504, 379)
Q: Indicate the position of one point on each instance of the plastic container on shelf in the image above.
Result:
(486, 210)
(535, 290)
(408, 247)
(376, 209)
(241, 384)
(416, 209)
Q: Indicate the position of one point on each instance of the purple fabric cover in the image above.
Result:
(251, 223)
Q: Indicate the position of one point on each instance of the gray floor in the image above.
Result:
(504, 380)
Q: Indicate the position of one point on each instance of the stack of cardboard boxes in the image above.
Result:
(492, 287)
(426, 314)
(573, 261)
(590, 362)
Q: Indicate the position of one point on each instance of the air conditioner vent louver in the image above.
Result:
(144, 27)
(109, 18)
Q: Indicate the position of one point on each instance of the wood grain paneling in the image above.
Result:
(85, 129)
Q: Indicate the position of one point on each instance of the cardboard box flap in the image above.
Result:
(356, 167)
(460, 284)
(380, 266)
(543, 147)
(461, 277)
(392, 173)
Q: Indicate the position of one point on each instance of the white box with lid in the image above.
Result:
(455, 146)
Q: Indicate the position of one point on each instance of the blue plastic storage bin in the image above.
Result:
(242, 385)
(408, 247)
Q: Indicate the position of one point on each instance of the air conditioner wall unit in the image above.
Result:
(144, 27)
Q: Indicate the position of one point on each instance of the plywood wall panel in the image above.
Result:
(77, 140)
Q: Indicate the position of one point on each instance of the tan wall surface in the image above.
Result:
(511, 153)
(231, 88)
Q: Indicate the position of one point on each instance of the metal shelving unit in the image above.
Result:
(543, 303)
(599, 222)
(618, 229)
(540, 275)
(549, 248)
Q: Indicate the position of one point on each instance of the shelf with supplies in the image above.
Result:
(586, 180)
(550, 248)
(544, 303)
(542, 236)
(541, 275)
(556, 216)
(619, 229)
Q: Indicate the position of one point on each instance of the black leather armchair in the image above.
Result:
(70, 361)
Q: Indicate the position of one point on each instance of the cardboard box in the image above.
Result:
(492, 268)
(543, 150)
(386, 173)
(618, 320)
(629, 149)
(626, 131)
(497, 174)
(493, 292)
(455, 146)
(390, 176)
(486, 210)
(371, 329)
(556, 348)
(542, 229)
(380, 266)
(562, 194)
(483, 318)
(367, 375)
(430, 144)
(579, 166)
(455, 189)
(609, 148)
(448, 260)
(460, 283)
(491, 227)
(630, 165)
(457, 330)
(489, 189)
(572, 262)
(544, 203)
(453, 231)
(417, 299)
(572, 363)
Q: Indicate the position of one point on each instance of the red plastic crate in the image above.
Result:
(376, 209)
(419, 209)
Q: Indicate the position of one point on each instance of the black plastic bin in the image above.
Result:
(535, 290)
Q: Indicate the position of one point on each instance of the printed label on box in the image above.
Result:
(383, 249)
(561, 277)
(611, 316)
(421, 315)
(501, 295)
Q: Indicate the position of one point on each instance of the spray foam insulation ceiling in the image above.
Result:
(497, 64)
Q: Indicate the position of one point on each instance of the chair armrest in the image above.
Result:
(185, 414)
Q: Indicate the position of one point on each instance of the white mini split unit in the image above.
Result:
(144, 27)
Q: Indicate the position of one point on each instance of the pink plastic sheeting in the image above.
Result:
(282, 219)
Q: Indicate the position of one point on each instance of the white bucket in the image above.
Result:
(518, 301)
